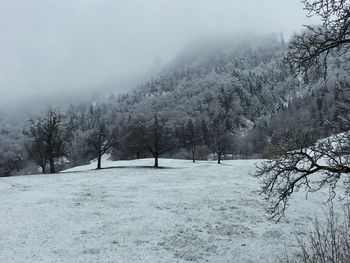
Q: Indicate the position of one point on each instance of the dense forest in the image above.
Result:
(218, 99)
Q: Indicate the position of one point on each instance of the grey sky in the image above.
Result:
(50, 47)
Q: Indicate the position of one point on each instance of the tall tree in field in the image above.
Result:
(221, 137)
(316, 43)
(99, 138)
(36, 146)
(135, 139)
(99, 141)
(303, 161)
(192, 137)
(159, 139)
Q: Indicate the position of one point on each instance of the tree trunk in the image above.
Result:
(156, 161)
(99, 161)
(138, 155)
(52, 165)
(193, 156)
(219, 158)
(43, 170)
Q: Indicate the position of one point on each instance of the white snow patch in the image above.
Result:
(187, 212)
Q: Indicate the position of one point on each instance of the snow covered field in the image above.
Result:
(186, 212)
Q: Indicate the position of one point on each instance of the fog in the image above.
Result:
(57, 49)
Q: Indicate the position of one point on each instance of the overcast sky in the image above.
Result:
(53, 47)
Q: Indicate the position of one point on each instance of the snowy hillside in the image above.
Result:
(200, 212)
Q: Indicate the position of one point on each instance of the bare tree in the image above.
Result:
(316, 42)
(159, 139)
(99, 138)
(135, 138)
(221, 137)
(192, 138)
(99, 141)
(51, 136)
(35, 145)
(303, 160)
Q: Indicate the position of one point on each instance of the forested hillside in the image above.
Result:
(218, 99)
(242, 83)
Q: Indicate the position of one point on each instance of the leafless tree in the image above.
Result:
(221, 137)
(135, 138)
(303, 160)
(314, 45)
(35, 145)
(51, 135)
(100, 136)
(99, 141)
(159, 139)
(193, 138)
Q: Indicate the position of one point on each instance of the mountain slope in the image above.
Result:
(246, 82)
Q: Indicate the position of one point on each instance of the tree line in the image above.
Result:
(78, 136)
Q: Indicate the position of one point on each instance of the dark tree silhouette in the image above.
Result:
(55, 136)
(192, 138)
(100, 136)
(221, 137)
(134, 140)
(301, 160)
(99, 141)
(35, 146)
(159, 139)
(317, 42)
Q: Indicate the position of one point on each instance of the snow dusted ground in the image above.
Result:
(186, 212)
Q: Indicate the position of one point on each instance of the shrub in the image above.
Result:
(327, 241)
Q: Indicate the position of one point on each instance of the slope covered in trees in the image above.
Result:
(218, 98)
(243, 82)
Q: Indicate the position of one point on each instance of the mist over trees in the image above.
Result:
(283, 104)
(232, 101)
